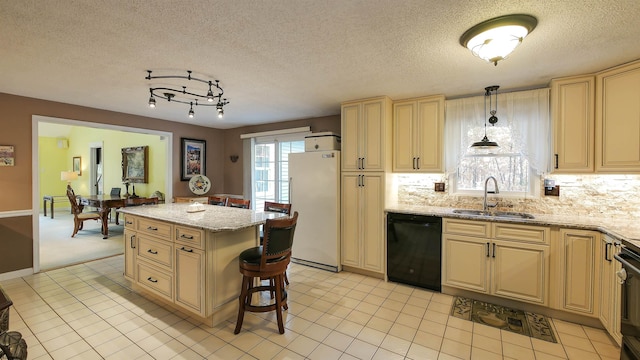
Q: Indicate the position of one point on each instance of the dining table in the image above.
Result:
(104, 203)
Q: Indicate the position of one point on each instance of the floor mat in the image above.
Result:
(517, 321)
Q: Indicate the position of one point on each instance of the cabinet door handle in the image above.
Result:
(152, 252)
(187, 250)
(152, 228)
(189, 237)
(362, 167)
(556, 156)
(487, 249)
(418, 163)
(413, 163)
(152, 279)
(133, 245)
(494, 251)
(607, 251)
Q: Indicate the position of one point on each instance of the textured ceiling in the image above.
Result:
(280, 60)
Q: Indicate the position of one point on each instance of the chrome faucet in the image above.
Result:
(485, 206)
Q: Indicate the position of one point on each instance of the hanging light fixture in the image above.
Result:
(493, 119)
(184, 95)
(493, 40)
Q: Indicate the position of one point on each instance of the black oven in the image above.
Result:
(630, 301)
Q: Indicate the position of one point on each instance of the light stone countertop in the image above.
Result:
(213, 218)
(627, 230)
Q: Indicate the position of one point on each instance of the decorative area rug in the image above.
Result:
(517, 321)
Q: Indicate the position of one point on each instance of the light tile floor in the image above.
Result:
(87, 311)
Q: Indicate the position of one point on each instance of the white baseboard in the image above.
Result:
(16, 274)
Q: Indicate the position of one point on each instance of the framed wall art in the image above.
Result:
(7, 155)
(135, 164)
(192, 158)
(77, 165)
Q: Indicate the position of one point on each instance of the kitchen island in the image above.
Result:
(186, 257)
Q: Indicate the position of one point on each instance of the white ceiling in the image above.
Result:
(280, 60)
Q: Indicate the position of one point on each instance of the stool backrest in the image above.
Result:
(218, 200)
(278, 239)
(239, 203)
(277, 207)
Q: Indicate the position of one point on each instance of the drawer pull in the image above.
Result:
(129, 222)
(186, 237)
(152, 228)
(187, 250)
(152, 279)
(152, 252)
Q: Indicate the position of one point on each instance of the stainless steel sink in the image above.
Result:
(499, 214)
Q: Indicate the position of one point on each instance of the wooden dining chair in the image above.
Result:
(218, 200)
(239, 203)
(79, 217)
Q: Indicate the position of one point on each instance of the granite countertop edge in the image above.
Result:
(212, 218)
(624, 230)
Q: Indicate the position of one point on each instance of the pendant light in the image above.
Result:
(485, 143)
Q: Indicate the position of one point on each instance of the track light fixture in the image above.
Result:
(184, 95)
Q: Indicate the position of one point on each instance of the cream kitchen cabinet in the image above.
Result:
(578, 253)
(610, 288)
(572, 106)
(418, 130)
(363, 221)
(190, 269)
(618, 119)
(130, 245)
(366, 135)
(507, 260)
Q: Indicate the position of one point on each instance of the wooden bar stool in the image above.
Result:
(218, 200)
(268, 262)
(239, 203)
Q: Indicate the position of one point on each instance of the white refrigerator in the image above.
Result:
(315, 194)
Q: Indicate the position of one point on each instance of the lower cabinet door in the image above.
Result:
(190, 278)
(580, 267)
(466, 262)
(520, 271)
(130, 244)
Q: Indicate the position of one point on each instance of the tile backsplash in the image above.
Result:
(589, 195)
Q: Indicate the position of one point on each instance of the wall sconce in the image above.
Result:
(233, 158)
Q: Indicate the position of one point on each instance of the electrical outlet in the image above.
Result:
(439, 187)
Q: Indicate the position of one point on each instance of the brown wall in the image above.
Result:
(16, 113)
(15, 182)
(233, 145)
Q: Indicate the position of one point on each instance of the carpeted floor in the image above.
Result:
(58, 248)
(514, 320)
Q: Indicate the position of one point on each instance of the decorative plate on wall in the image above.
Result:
(199, 184)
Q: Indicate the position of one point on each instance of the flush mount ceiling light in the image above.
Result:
(493, 119)
(493, 40)
(188, 96)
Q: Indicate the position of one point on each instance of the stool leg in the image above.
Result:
(278, 282)
(242, 300)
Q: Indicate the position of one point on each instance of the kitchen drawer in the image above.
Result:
(159, 252)
(155, 228)
(190, 236)
(129, 221)
(466, 227)
(524, 233)
(156, 280)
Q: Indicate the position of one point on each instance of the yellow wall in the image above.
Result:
(53, 160)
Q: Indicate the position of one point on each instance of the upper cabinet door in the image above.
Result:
(572, 102)
(366, 135)
(418, 128)
(618, 119)
(403, 139)
(349, 136)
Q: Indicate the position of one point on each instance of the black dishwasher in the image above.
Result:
(414, 249)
